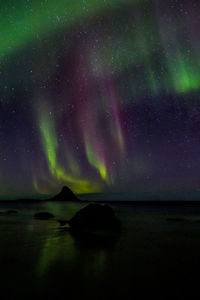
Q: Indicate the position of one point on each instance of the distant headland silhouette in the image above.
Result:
(64, 195)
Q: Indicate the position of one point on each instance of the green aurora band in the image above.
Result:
(112, 55)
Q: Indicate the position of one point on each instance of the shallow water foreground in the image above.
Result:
(156, 254)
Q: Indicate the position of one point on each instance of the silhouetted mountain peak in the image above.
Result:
(65, 195)
(65, 190)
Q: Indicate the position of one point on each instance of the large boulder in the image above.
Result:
(95, 216)
(65, 195)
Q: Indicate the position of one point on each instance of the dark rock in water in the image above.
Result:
(43, 215)
(65, 195)
(94, 216)
(63, 222)
(176, 220)
(9, 212)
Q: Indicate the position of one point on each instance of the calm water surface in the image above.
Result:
(152, 257)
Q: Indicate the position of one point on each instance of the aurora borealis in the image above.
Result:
(101, 96)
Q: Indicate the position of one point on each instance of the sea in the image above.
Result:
(155, 255)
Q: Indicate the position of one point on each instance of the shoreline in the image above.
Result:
(116, 202)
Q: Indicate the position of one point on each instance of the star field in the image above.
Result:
(101, 96)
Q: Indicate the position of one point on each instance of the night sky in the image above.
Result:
(101, 96)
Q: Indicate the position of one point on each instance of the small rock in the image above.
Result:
(63, 222)
(9, 212)
(176, 220)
